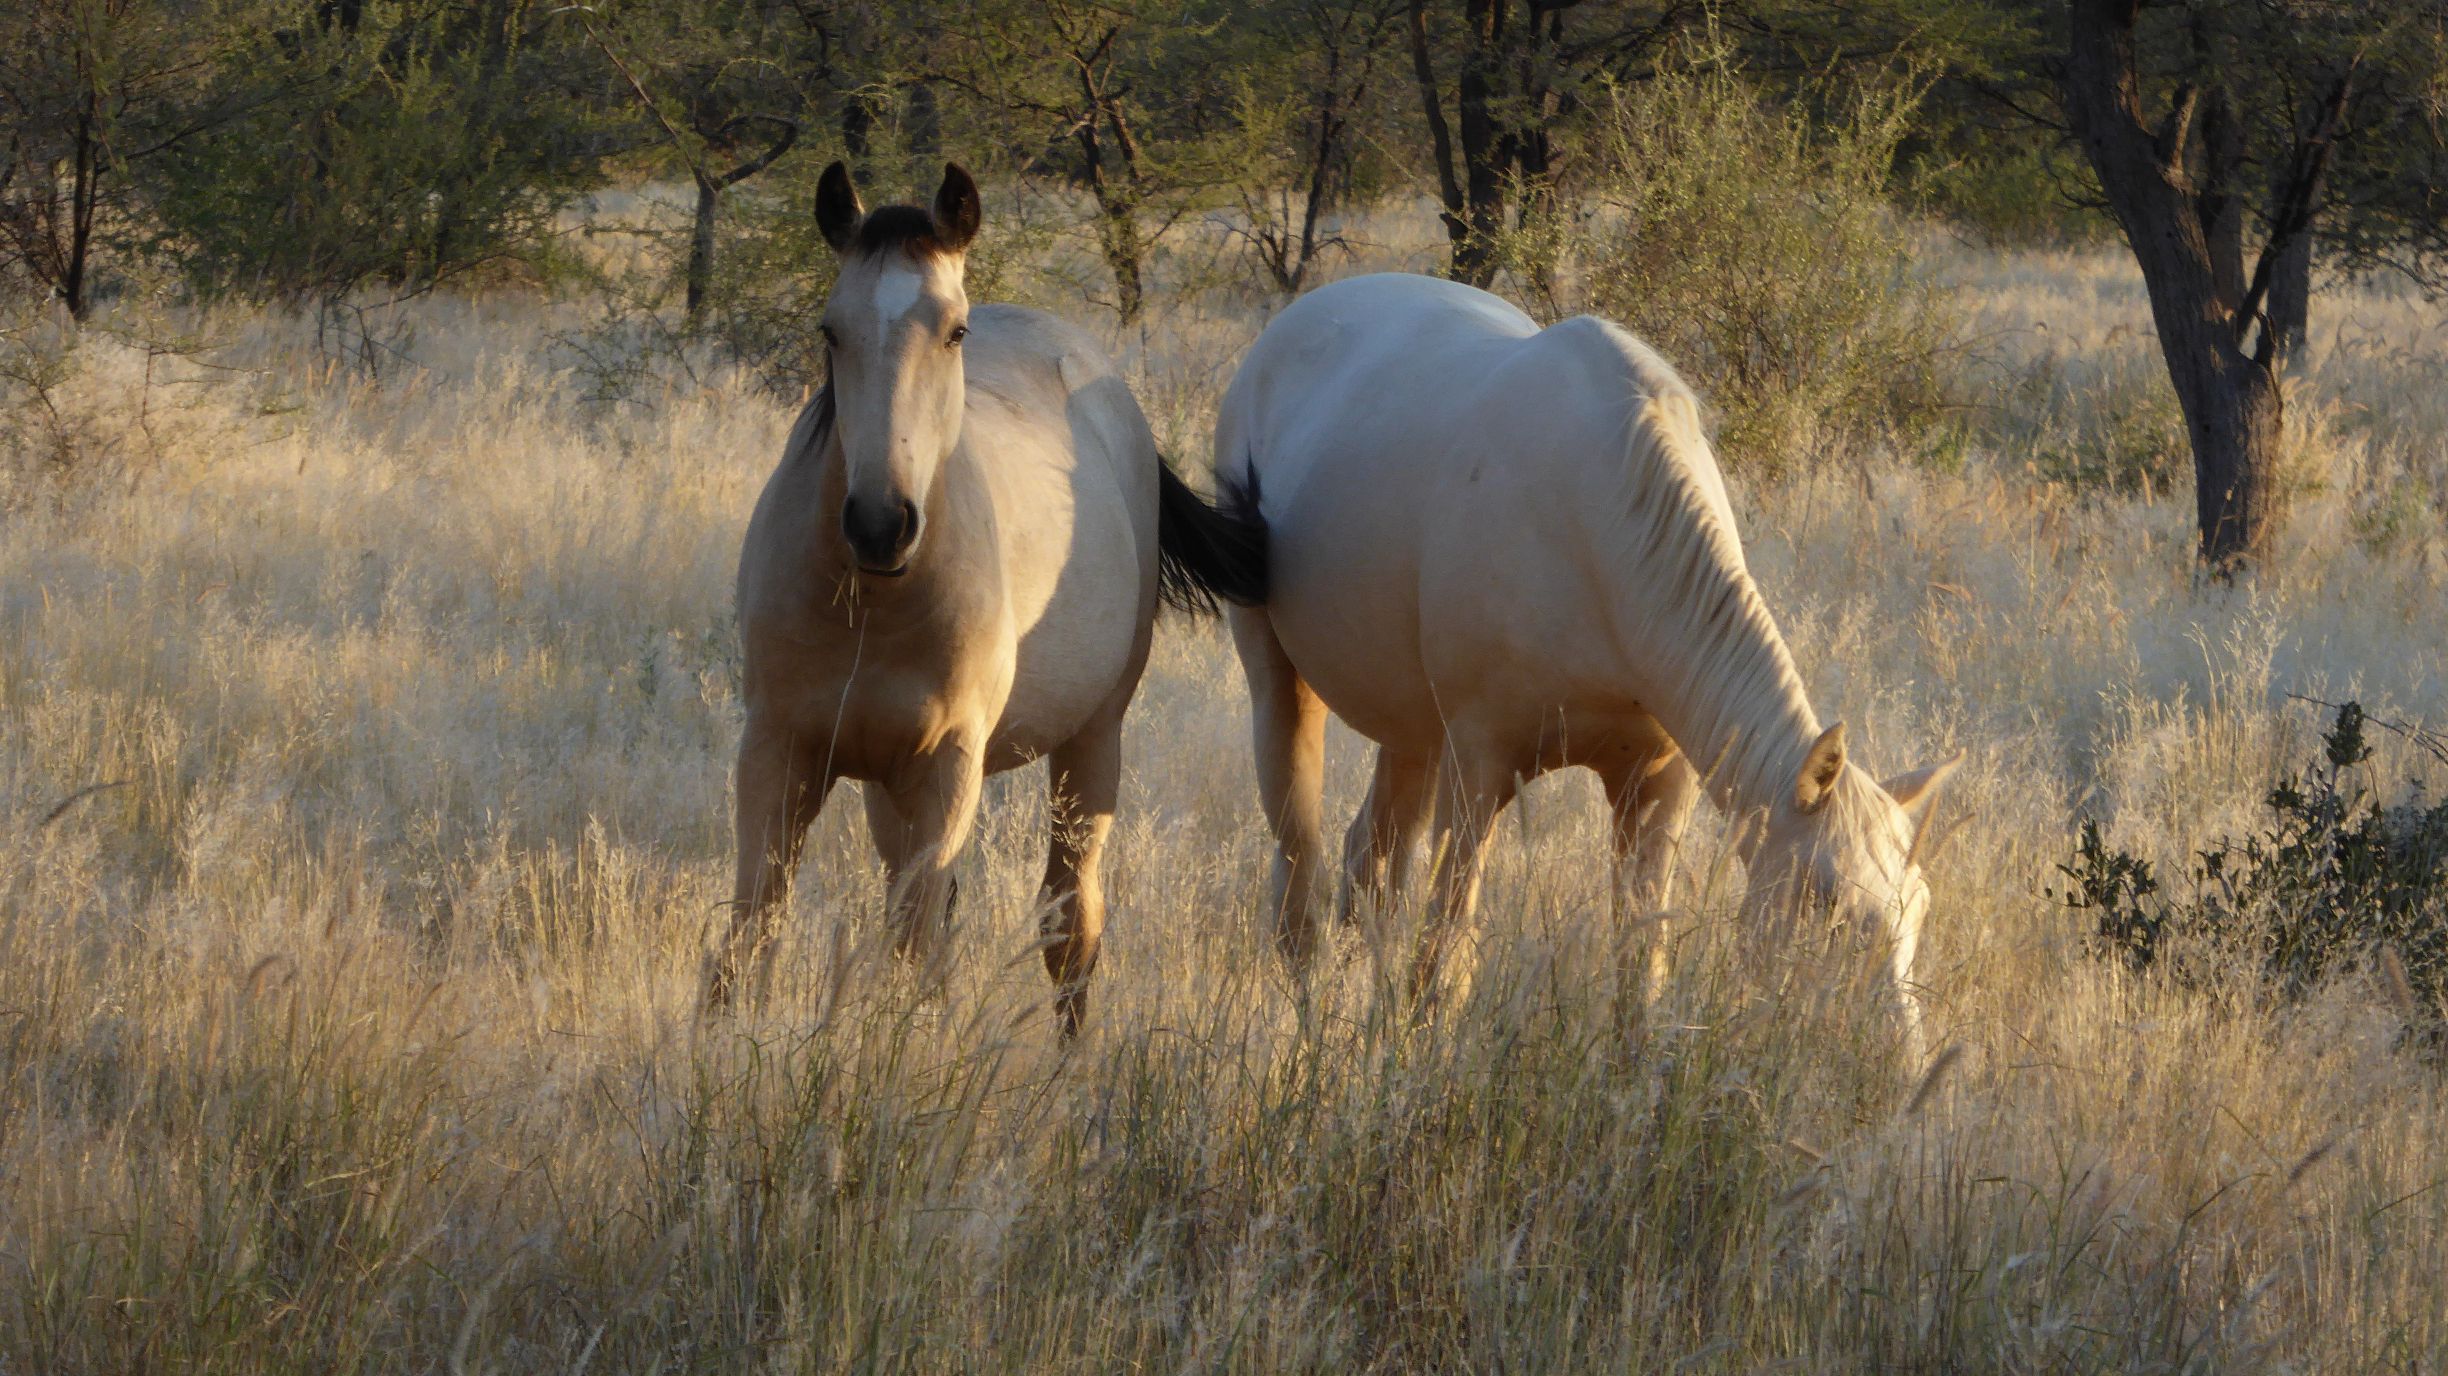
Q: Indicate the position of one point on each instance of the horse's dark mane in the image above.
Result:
(905, 227)
(821, 431)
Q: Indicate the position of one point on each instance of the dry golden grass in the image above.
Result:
(350, 1027)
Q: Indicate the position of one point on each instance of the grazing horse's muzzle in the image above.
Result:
(881, 534)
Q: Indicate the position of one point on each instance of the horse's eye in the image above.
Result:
(959, 333)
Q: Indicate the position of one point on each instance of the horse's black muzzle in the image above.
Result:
(881, 534)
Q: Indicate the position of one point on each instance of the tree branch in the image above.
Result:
(781, 145)
(2297, 202)
(1440, 136)
(696, 169)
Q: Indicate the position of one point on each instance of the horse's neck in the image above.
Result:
(1737, 708)
(1749, 730)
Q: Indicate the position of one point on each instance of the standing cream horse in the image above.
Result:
(1498, 550)
(954, 571)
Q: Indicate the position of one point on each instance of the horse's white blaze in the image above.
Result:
(897, 290)
(1498, 550)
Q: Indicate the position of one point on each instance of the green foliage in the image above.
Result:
(1131, 101)
(2095, 424)
(1754, 246)
(2009, 192)
(393, 144)
(2123, 893)
(2333, 880)
(91, 91)
(1312, 84)
(764, 305)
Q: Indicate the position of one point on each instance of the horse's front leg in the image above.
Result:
(781, 785)
(1651, 796)
(936, 801)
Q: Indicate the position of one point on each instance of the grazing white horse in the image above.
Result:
(954, 571)
(1497, 550)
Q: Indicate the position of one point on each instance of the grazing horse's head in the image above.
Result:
(893, 332)
(1845, 845)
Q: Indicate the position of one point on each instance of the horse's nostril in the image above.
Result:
(880, 532)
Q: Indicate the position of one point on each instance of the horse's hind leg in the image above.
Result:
(1377, 850)
(1476, 782)
(1083, 780)
(781, 786)
(1289, 725)
(1652, 793)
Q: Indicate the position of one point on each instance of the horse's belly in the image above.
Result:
(1064, 671)
(1079, 581)
(1449, 605)
(1346, 611)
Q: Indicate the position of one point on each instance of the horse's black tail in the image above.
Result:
(1207, 553)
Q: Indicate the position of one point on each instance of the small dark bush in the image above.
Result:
(2334, 880)
(2123, 892)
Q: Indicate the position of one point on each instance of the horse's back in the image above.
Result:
(1055, 438)
(1051, 366)
(1447, 487)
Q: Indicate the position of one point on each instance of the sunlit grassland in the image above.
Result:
(349, 1024)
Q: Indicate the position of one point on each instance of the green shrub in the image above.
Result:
(2333, 880)
(2096, 426)
(765, 299)
(379, 146)
(2008, 191)
(1753, 244)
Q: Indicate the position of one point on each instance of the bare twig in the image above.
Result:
(60, 808)
(2430, 742)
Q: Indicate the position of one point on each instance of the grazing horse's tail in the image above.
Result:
(1207, 553)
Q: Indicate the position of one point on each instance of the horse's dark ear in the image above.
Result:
(956, 208)
(838, 211)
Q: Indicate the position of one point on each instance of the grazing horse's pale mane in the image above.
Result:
(1736, 701)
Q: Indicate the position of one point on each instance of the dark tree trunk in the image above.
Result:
(2219, 194)
(1486, 147)
(2234, 415)
(1440, 137)
(2231, 399)
(1119, 238)
(1497, 174)
(701, 245)
(925, 124)
(83, 195)
(711, 186)
(1291, 266)
(1117, 221)
(858, 121)
(2290, 297)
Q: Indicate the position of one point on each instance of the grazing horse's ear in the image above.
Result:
(957, 213)
(838, 211)
(1821, 768)
(1918, 792)
(1918, 786)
